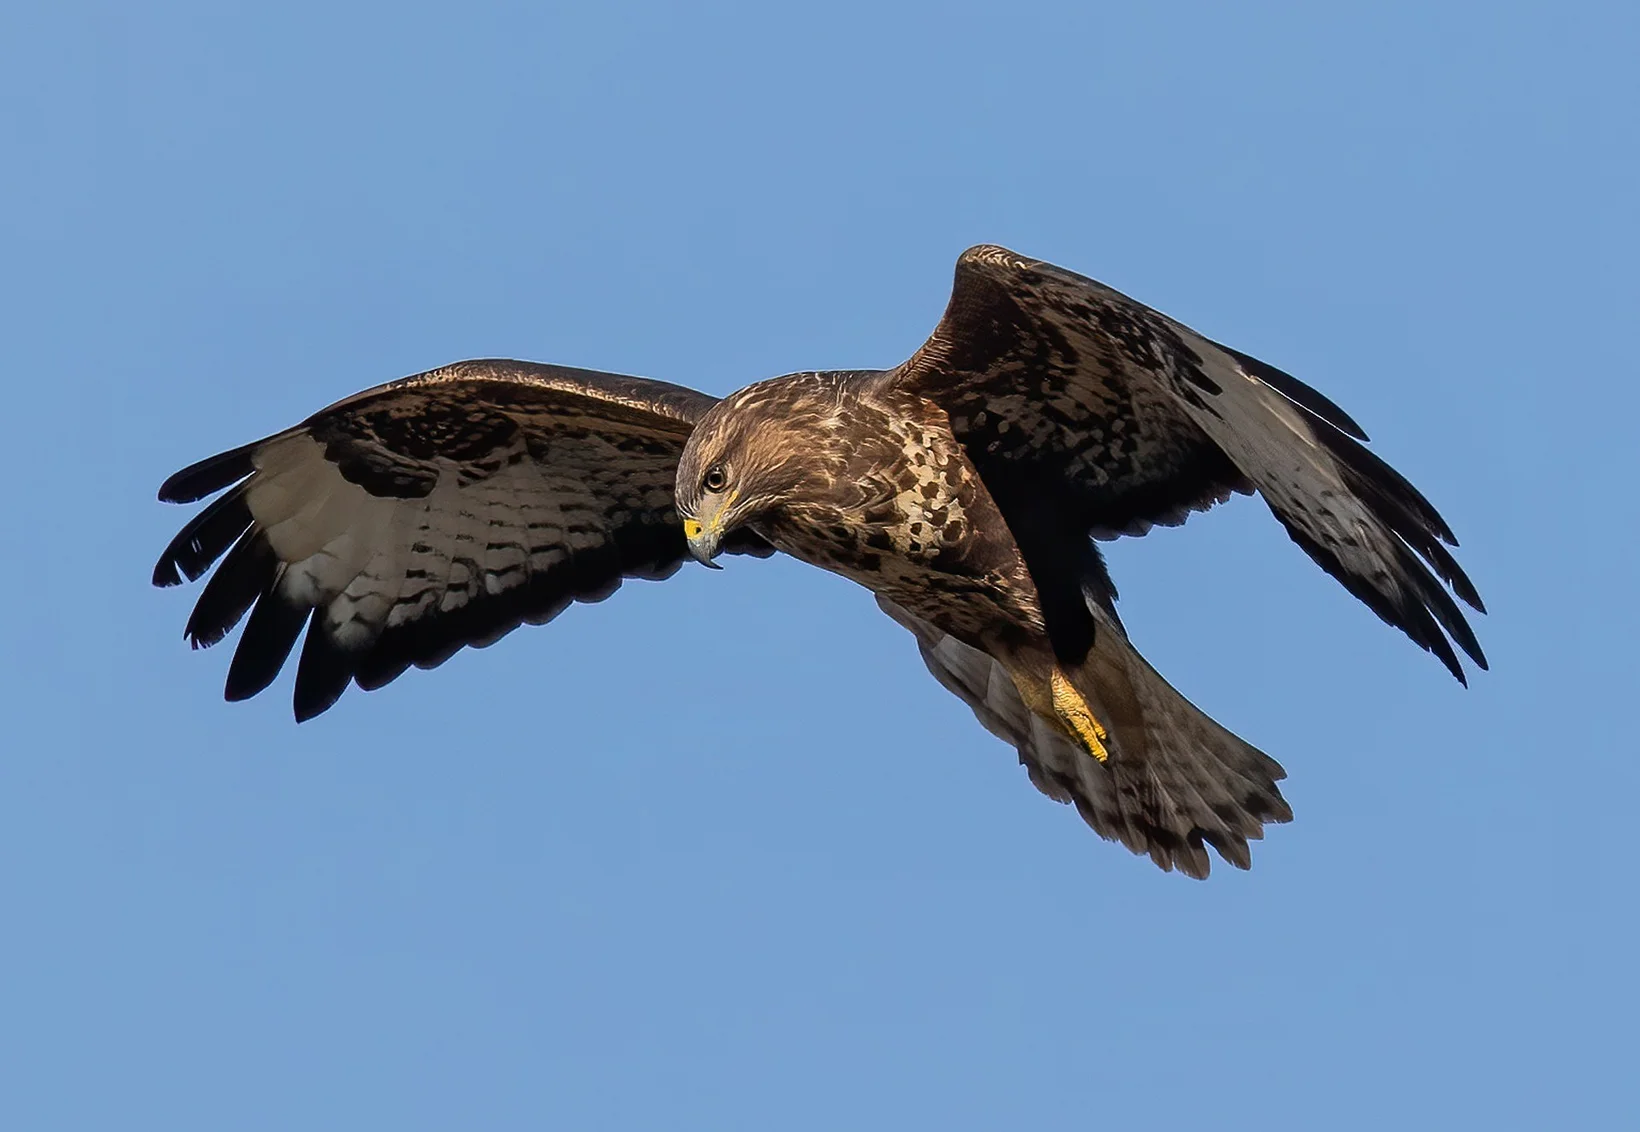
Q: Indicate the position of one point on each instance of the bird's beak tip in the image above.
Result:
(700, 549)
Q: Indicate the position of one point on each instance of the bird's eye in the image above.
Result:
(716, 479)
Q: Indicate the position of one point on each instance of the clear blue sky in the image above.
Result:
(719, 853)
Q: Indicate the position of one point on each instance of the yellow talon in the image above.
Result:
(1078, 716)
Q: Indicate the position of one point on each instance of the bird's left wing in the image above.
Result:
(435, 512)
(1082, 407)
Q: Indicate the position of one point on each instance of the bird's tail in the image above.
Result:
(1174, 781)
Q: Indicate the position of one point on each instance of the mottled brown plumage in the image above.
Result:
(964, 488)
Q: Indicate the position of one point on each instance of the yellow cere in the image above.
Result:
(692, 529)
(1078, 716)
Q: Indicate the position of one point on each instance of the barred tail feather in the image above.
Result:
(1176, 782)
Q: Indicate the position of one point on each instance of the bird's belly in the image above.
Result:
(941, 587)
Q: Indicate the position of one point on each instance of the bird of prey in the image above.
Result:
(965, 488)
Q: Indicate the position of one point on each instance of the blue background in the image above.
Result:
(719, 853)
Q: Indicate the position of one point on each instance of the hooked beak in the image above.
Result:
(704, 529)
(703, 543)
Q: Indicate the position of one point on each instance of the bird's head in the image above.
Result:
(750, 454)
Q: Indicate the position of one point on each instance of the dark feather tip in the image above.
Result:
(210, 475)
(1305, 397)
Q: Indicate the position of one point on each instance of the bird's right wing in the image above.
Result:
(435, 512)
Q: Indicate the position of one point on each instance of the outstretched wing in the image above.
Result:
(1083, 407)
(435, 512)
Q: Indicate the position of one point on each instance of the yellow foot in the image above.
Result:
(1078, 716)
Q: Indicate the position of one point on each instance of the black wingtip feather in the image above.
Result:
(1441, 560)
(1443, 608)
(1377, 476)
(210, 475)
(245, 575)
(1311, 400)
(269, 636)
(1405, 511)
(1417, 605)
(323, 672)
(378, 669)
(205, 539)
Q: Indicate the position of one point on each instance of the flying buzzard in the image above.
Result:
(965, 488)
